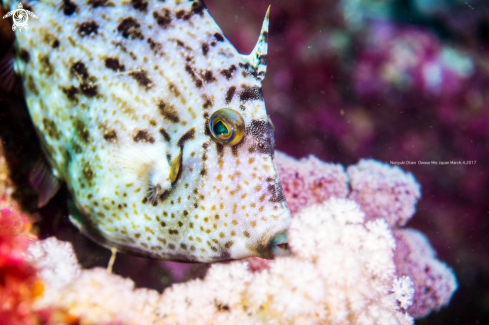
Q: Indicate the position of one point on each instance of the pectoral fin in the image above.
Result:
(176, 168)
(7, 73)
(149, 165)
(44, 182)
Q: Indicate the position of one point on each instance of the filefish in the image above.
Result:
(157, 125)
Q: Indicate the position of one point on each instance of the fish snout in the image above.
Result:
(275, 242)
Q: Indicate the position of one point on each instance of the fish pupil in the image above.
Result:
(220, 128)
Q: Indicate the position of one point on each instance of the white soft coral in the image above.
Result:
(341, 272)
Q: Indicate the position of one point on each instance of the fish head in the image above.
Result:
(245, 196)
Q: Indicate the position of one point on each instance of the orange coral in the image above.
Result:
(19, 282)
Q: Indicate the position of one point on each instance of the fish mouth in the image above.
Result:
(276, 245)
(279, 245)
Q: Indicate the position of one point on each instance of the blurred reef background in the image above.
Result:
(392, 80)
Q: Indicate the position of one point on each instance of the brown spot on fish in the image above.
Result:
(101, 3)
(250, 93)
(168, 111)
(228, 73)
(165, 135)
(161, 240)
(263, 59)
(50, 128)
(276, 190)
(229, 244)
(174, 90)
(230, 94)
(180, 13)
(191, 72)
(139, 5)
(79, 69)
(24, 55)
(154, 46)
(265, 36)
(77, 148)
(262, 133)
(209, 77)
(208, 102)
(143, 136)
(114, 64)
(87, 28)
(55, 44)
(198, 8)
(46, 66)
(68, 7)
(31, 85)
(219, 37)
(220, 150)
(248, 69)
(110, 136)
(205, 48)
(89, 89)
(142, 78)
(189, 135)
(162, 20)
(71, 93)
(87, 172)
(81, 130)
(130, 28)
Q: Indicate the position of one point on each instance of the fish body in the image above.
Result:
(139, 106)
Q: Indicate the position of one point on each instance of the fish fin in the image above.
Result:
(7, 72)
(44, 182)
(176, 168)
(149, 166)
(258, 57)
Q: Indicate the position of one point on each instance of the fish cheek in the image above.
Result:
(260, 138)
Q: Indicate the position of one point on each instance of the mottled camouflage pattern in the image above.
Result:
(105, 76)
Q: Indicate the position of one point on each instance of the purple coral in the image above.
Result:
(434, 281)
(384, 191)
(310, 180)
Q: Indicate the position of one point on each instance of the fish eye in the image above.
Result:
(227, 127)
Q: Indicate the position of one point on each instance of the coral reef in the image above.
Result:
(341, 272)
(434, 281)
(20, 282)
(347, 266)
(384, 193)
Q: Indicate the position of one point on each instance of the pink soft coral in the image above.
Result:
(434, 282)
(383, 192)
(310, 180)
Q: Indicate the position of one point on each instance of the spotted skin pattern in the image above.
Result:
(105, 76)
